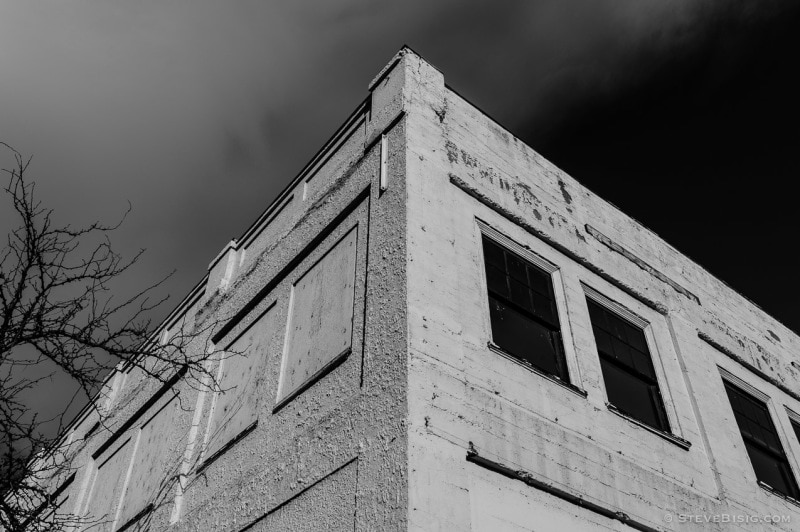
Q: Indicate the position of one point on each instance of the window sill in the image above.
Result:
(766, 487)
(677, 440)
(552, 378)
(225, 448)
(322, 372)
(136, 518)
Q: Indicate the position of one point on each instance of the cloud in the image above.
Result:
(199, 113)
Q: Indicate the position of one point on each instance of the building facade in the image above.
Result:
(434, 328)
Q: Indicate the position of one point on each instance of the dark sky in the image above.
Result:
(684, 114)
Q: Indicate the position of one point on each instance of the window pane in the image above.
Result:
(628, 345)
(603, 340)
(643, 364)
(545, 309)
(522, 337)
(516, 269)
(496, 279)
(617, 328)
(493, 254)
(540, 282)
(622, 352)
(520, 294)
(636, 338)
(762, 442)
(523, 310)
(771, 471)
(630, 379)
(753, 420)
(597, 315)
(631, 395)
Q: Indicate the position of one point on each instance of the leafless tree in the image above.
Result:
(57, 311)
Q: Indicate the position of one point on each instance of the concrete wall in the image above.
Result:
(359, 387)
(306, 315)
(496, 446)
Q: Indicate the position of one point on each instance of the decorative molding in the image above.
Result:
(745, 386)
(794, 417)
(613, 246)
(747, 365)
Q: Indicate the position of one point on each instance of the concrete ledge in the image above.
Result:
(530, 480)
(552, 378)
(751, 368)
(225, 448)
(613, 246)
(524, 224)
(677, 440)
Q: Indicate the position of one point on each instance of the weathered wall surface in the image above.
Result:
(309, 429)
(320, 322)
(330, 504)
(466, 399)
(361, 389)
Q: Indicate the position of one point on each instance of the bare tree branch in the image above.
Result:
(57, 311)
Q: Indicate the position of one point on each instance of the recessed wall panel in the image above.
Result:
(107, 486)
(320, 322)
(155, 464)
(236, 405)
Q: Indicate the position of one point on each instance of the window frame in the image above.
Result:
(567, 352)
(571, 278)
(654, 327)
(794, 423)
(626, 315)
(729, 379)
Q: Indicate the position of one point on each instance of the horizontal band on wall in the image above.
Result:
(530, 480)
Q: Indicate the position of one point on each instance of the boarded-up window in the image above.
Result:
(320, 316)
(54, 508)
(107, 485)
(155, 463)
(236, 406)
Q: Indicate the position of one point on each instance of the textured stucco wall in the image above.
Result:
(320, 446)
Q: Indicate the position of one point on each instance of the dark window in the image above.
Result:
(761, 441)
(796, 429)
(523, 312)
(627, 367)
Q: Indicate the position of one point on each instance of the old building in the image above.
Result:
(440, 330)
